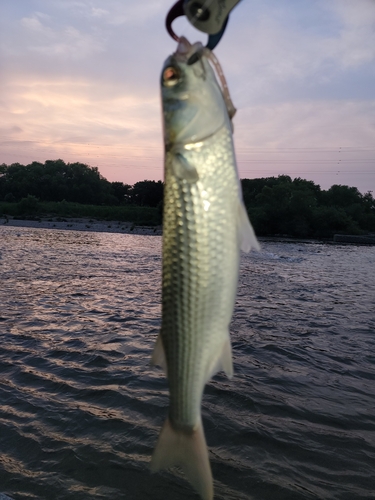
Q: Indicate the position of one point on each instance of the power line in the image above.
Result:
(247, 149)
(239, 159)
(313, 172)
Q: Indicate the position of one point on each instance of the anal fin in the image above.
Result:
(248, 240)
(223, 361)
(158, 356)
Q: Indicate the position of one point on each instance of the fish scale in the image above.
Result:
(191, 239)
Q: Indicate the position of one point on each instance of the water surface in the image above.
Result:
(80, 407)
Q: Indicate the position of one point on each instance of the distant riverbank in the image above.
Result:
(82, 224)
(94, 225)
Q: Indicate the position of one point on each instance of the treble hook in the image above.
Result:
(200, 14)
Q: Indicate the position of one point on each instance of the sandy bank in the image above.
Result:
(80, 224)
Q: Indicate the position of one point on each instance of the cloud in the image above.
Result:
(358, 14)
(277, 47)
(82, 40)
(58, 110)
(307, 123)
(99, 12)
(64, 42)
(136, 14)
(354, 44)
(76, 121)
(34, 24)
(8, 131)
(116, 12)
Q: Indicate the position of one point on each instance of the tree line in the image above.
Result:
(300, 208)
(276, 205)
(56, 180)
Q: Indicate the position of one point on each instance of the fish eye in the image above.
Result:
(171, 76)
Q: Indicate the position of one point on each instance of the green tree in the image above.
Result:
(28, 205)
(121, 192)
(147, 193)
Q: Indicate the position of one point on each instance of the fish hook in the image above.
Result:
(200, 14)
(176, 11)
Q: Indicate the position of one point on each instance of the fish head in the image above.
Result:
(193, 104)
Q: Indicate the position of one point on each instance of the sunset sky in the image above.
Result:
(79, 80)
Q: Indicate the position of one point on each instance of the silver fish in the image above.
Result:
(205, 224)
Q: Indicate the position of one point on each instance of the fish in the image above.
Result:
(205, 224)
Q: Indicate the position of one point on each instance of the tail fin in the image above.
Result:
(189, 451)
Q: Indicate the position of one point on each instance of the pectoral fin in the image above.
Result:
(248, 240)
(183, 169)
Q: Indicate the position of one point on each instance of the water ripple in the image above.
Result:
(81, 408)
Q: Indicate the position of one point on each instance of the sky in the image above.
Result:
(79, 80)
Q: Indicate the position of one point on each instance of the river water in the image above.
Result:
(81, 409)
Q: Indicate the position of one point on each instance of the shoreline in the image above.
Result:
(82, 224)
(118, 227)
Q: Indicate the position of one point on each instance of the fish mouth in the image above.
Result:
(185, 50)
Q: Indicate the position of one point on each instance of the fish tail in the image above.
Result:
(187, 449)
